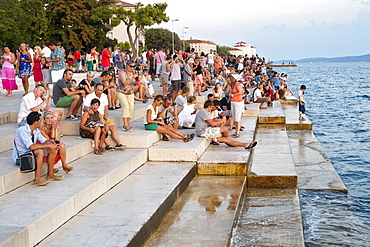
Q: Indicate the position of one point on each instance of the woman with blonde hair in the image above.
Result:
(24, 66)
(50, 130)
(36, 66)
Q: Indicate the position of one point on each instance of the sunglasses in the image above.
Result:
(132, 66)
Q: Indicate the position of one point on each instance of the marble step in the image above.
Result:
(31, 213)
(269, 217)
(8, 117)
(177, 150)
(272, 164)
(214, 160)
(315, 171)
(252, 110)
(128, 213)
(292, 122)
(11, 178)
(290, 100)
(7, 132)
(203, 215)
(272, 115)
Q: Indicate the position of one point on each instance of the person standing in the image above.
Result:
(7, 71)
(211, 62)
(159, 57)
(237, 103)
(301, 103)
(176, 66)
(36, 66)
(105, 56)
(77, 60)
(57, 60)
(24, 66)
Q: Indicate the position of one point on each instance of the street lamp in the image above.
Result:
(173, 37)
(183, 37)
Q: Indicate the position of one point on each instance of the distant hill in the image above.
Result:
(363, 58)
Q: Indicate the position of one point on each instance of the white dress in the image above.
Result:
(186, 118)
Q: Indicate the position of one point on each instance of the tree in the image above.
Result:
(139, 19)
(223, 50)
(79, 23)
(161, 38)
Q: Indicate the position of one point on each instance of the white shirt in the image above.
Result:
(103, 101)
(28, 101)
(257, 93)
(176, 72)
(154, 113)
(301, 96)
(211, 59)
(46, 52)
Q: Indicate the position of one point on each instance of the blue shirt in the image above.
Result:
(23, 140)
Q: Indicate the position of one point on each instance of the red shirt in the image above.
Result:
(105, 62)
(77, 55)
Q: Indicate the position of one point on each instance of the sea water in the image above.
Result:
(338, 104)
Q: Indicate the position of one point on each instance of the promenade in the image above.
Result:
(158, 193)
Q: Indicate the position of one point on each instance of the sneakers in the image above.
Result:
(40, 182)
(54, 177)
(109, 148)
(112, 108)
(301, 119)
(120, 147)
(72, 117)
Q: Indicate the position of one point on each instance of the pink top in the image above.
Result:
(6, 63)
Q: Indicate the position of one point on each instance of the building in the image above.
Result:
(119, 32)
(201, 45)
(243, 48)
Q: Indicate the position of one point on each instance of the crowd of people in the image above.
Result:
(230, 82)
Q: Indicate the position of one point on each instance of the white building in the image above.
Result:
(243, 48)
(201, 45)
(119, 32)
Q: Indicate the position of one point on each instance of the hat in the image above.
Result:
(145, 70)
(191, 60)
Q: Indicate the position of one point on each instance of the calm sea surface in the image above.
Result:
(338, 104)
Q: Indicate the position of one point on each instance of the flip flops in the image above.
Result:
(251, 145)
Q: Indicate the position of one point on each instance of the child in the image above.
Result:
(301, 103)
(148, 82)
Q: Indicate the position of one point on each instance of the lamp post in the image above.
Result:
(183, 37)
(173, 37)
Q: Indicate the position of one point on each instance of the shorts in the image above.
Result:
(151, 126)
(210, 133)
(46, 73)
(165, 78)
(56, 75)
(158, 68)
(176, 85)
(301, 108)
(78, 64)
(237, 109)
(64, 101)
(277, 87)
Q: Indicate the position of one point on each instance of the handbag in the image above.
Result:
(26, 161)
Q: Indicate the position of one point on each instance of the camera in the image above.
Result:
(173, 104)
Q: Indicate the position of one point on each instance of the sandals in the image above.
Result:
(188, 138)
(101, 149)
(68, 169)
(165, 138)
(235, 135)
(97, 151)
(215, 143)
(127, 128)
(251, 145)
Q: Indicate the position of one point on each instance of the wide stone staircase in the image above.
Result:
(121, 197)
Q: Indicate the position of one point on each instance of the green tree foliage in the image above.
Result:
(141, 17)
(124, 45)
(161, 38)
(223, 50)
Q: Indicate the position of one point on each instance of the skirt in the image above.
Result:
(8, 79)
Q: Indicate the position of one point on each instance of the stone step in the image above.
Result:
(290, 100)
(177, 150)
(292, 114)
(31, 213)
(7, 132)
(214, 161)
(269, 217)
(203, 215)
(128, 213)
(272, 164)
(11, 178)
(252, 110)
(8, 117)
(272, 115)
(315, 171)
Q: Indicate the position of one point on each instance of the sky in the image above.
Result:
(279, 29)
